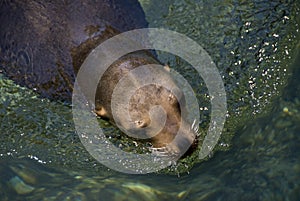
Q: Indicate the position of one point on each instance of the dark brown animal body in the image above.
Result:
(44, 43)
(40, 40)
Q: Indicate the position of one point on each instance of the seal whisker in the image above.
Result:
(193, 124)
(196, 129)
(160, 151)
(165, 151)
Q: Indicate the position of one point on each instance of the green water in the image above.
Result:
(42, 159)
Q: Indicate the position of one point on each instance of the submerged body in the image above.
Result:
(52, 41)
(40, 40)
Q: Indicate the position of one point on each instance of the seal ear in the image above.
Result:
(167, 68)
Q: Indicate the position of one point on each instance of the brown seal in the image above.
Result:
(54, 38)
(143, 100)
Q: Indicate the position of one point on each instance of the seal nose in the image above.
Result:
(190, 141)
(186, 137)
(182, 143)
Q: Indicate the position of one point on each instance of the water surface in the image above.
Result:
(42, 159)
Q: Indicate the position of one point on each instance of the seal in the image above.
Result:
(54, 38)
(142, 102)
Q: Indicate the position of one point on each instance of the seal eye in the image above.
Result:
(140, 124)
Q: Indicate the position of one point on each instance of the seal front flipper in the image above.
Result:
(101, 112)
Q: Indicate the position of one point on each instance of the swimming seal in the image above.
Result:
(53, 39)
(143, 100)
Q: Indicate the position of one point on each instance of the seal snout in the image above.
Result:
(182, 142)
